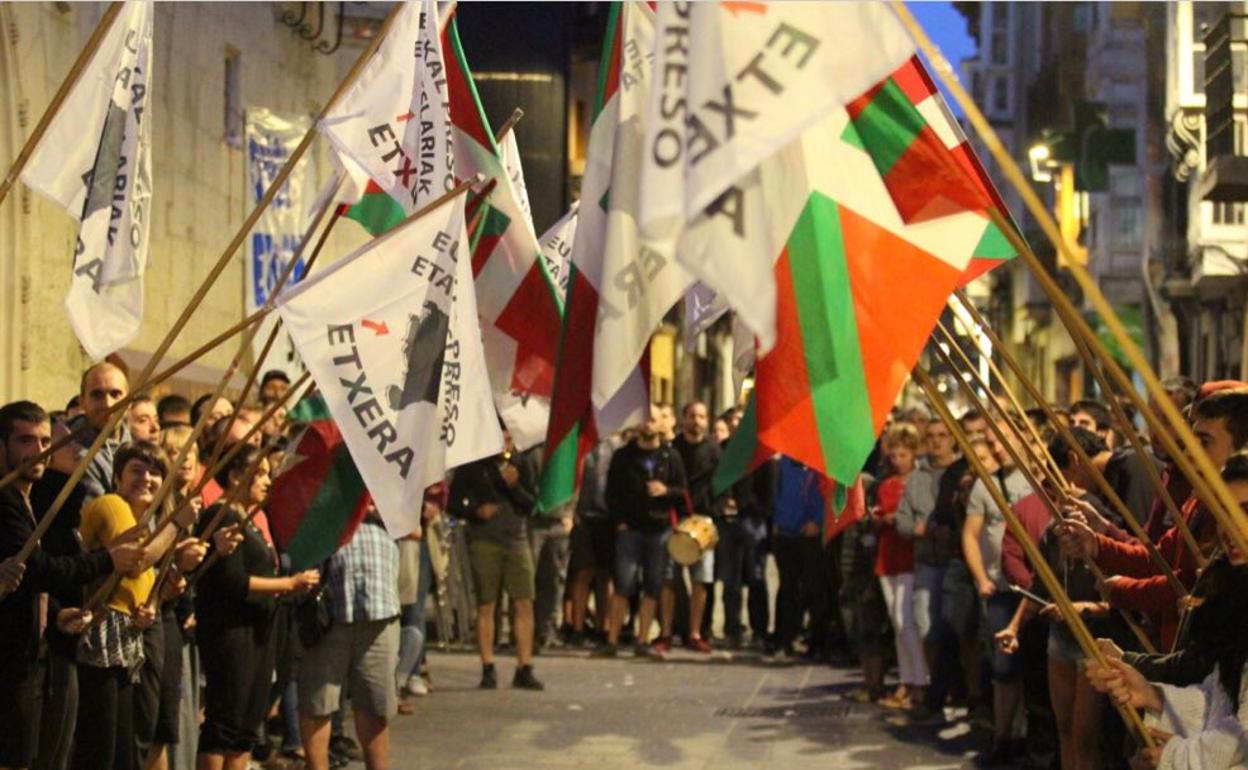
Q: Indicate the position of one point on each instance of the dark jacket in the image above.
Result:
(61, 539)
(627, 500)
(45, 573)
(481, 482)
(222, 595)
(700, 461)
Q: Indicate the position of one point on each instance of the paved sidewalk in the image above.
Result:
(684, 712)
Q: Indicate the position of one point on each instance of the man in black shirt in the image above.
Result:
(494, 494)
(645, 483)
(699, 455)
(27, 611)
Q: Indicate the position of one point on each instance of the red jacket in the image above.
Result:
(1034, 515)
(1141, 588)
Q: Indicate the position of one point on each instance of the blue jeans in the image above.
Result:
(412, 622)
(740, 560)
(928, 590)
(644, 552)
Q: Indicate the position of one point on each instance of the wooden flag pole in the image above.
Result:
(62, 93)
(202, 291)
(1109, 494)
(121, 405)
(1052, 469)
(1226, 510)
(1150, 470)
(1074, 620)
(510, 123)
(283, 279)
(106, 589)
(231, 495)
(1037, 486)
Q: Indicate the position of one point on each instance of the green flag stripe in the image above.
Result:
(888, 125)
(739, 454)
(377, 212)
(558, 480)
(993, 244)
(826, 313)
(328, 514)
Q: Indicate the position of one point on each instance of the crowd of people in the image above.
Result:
(177, 635)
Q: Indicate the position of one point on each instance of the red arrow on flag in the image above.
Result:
(379, 329)
(736, 6)
(405, 117)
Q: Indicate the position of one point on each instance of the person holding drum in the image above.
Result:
(645, 485)
(700, 456)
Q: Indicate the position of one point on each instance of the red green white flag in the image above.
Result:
(927, 163)
(858, 292)
(318, 497)
(520, 312)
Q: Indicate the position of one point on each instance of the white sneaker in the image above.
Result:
(416, 686)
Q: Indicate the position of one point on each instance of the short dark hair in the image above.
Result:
(19, 411)
(73, 403)
(969, 415)
(197, 410)
(274, 374)
(1091, 443)
(171, 403)
(239, 463)
(1094, 409)
(1236, 468)
(142, 398)
(1228, 405)
(147, 452)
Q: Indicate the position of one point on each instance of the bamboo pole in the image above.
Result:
(1037, 485)
(1103, 485)
(1043, 571)
(202, 291)
(129, 398)
(58, 99)
(1047, 461)
(1225, 511)
(1154, 476)
(106, 589)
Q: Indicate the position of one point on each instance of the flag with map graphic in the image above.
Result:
(398, 359)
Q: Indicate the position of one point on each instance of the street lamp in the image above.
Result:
(1042, 163)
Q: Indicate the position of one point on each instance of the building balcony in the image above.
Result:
(1225, 179)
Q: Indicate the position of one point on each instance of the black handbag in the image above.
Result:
(313, 618)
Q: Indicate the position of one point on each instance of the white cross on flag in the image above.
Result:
(390, 336)
(94, 161)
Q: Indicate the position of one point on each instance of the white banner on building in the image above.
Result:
(275, 239)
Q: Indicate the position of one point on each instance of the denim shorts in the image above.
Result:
(644, 552)
(1062, 645)
(701, 571)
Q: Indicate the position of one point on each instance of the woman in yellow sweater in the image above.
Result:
(110, 653)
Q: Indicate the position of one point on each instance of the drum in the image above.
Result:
(692, 537)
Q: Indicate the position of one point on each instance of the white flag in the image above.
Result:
(556, 246)
(95, 162)
(722, 137)
(759, 75)
(389, 335)
(636, 284)
(395, 120)
(515, 171)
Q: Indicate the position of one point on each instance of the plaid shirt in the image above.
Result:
(363, 579)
